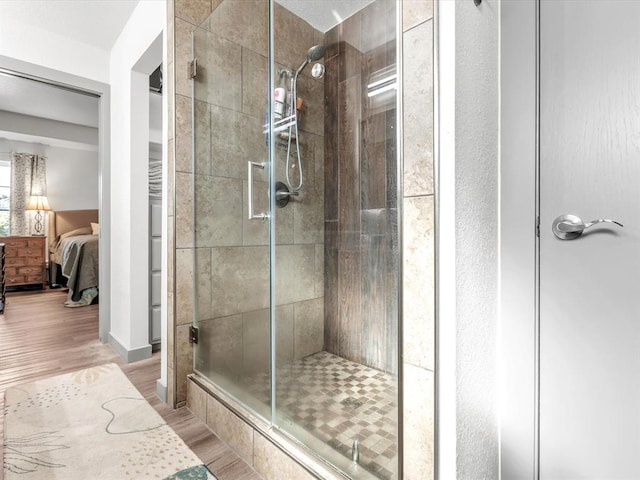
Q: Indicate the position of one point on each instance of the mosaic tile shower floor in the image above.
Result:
(338, 401)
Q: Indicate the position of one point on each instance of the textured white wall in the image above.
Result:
(72, 175)
(476, 213)
(129, 69)
(517, 238)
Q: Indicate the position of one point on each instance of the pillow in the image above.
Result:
(77, 231)
(95, 228)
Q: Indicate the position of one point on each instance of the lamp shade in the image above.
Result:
(38, 202)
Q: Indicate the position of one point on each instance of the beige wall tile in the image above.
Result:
(183, 134)
(255, 342)
(318, 37)
(295, 273)
(307, 157)
(308, 216)
(171, 387)
(252, 15)
(183, 52)
(220, 346)
(415, 12)
(185, 361)
(255, 79)
(284, 225)
(168, 90)
(184, 210)
(312, 93)
(284, 334)
(170, 178)
(203, 282)
(418, 282)
(418, 110)
(193, 11)
(218, 211)
(418, 423)
(236, 138)
(230, 429)
(170, 34)
(171, 321)
(308, 327)
(239, 280)
(219, 79)
(184, 286)
(293, 38)
(270, 462)
(202, 139)
(197, 401)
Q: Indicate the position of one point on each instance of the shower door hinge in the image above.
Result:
(538, 227)
(193, 68)
(193, 334)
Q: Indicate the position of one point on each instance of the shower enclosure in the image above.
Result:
(296, 230)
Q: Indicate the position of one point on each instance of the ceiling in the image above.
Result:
(95, 22)
(37, 99)
(324, 14)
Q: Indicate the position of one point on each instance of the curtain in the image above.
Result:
(28, 177)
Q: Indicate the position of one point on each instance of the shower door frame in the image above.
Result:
(272, 70)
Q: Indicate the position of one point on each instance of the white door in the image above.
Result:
(590, 286)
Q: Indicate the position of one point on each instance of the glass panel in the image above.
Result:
(336, 248)
(5, 199)
(231, 252)
(4, 224)
(5, 173)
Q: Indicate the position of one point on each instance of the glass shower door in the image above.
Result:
(232, 252)
(296, 229)
(336, 244)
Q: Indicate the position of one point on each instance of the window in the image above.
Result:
(5, 197)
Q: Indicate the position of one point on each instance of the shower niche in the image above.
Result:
(296, 202)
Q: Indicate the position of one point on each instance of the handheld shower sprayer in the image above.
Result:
(313, 54)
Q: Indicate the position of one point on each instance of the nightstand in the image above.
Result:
(24, 261)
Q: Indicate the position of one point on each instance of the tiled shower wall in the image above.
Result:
(361, 239)
(418, 206)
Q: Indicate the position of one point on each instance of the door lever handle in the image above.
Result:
(569, 227)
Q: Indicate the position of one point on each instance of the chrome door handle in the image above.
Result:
(568, 227)
(251, 165)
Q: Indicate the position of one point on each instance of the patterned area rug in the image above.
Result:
(91, 424)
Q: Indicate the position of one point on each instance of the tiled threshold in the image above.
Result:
(270, 452)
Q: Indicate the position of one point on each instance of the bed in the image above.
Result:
(74, 254)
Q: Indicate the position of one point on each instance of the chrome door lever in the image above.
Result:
(569, 227)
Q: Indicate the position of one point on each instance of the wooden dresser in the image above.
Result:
(24, 261)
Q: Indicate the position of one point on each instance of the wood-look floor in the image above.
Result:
(40, 338)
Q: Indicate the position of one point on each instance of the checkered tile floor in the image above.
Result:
(338, 401)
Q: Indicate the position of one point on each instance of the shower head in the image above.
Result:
(314, 53)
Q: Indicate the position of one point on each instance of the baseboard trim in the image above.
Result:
(161, 390)
(129, 356)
